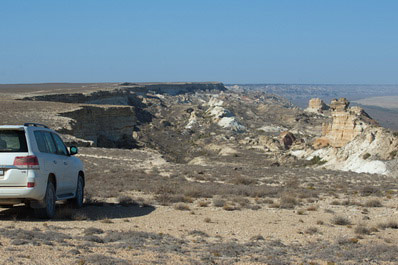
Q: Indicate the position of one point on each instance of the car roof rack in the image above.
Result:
(35, 125)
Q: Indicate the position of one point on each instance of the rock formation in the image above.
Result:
(287, 139)
(346, 125)
(316, 105)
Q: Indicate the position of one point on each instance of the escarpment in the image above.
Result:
(109, 117)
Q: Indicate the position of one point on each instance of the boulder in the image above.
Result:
(287, 139)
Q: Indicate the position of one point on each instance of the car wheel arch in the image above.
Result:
(81, 174)
(52, 178)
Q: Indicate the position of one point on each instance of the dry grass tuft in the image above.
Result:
(374, 203)
(181, 207)
(340, 220)
(288, 202)
(361, 229)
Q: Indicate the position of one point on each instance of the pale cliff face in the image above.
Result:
(347, 124)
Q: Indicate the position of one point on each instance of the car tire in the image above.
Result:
(77, 202)
(48, 211)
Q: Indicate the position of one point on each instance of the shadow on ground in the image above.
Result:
(88, 212)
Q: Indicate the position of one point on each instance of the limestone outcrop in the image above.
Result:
(102, 126)
(223, 117)
(347, 124)
(316, 105)
(374, 151)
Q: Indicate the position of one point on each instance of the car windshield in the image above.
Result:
(13, 141)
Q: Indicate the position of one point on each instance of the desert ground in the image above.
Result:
(202, 197)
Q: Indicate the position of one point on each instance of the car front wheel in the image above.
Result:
(77, 202)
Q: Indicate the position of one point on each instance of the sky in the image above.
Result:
(232, 41)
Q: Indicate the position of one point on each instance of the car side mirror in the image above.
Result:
(73, 150)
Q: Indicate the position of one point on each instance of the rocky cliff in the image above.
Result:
(347, 123)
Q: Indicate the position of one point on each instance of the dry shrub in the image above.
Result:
(181, 207)
(370, 190)
(274, 205)
(312, 230)
(288, 202)
(390, 224)
(70, 214)
(217, 202)
(347, 241)
(312, 208)
(167, 199)
(340, 220)
(230, 207)
(243, 202)
(126, 200)
(242, 180)
(203, 203)
(361, 229)
(207, 220)
(301, 212)
(373, 203)
(257, 238)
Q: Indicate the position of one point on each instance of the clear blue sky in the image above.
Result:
(233, 41)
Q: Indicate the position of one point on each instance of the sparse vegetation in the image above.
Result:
(317, 161)
(366, 156)
(181, 207)
(373, 203)
(340, 220)
(361, 229)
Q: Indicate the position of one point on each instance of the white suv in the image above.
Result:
(37, 169)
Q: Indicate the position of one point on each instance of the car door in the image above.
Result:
(55, 163)
(68, 169)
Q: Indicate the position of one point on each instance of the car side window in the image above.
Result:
(49, 143)
(61, 148)
(41, 142)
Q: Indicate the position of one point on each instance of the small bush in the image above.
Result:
(242, 180)
(389, 224)
(288, 202)
(312, 208)
(257, 238)
(340, 220)
(366, 156)
(312, 230)
(181, 207)
(369, 190)
(125, 200)
(230, 207)
(316, 160)
(347, 241)
(93, 231)
(218, 202)
(362, 230)
(373, 203)
(203, 203)
(301, 212)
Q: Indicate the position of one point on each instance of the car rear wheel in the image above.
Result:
(48, 211)
(77, 202)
